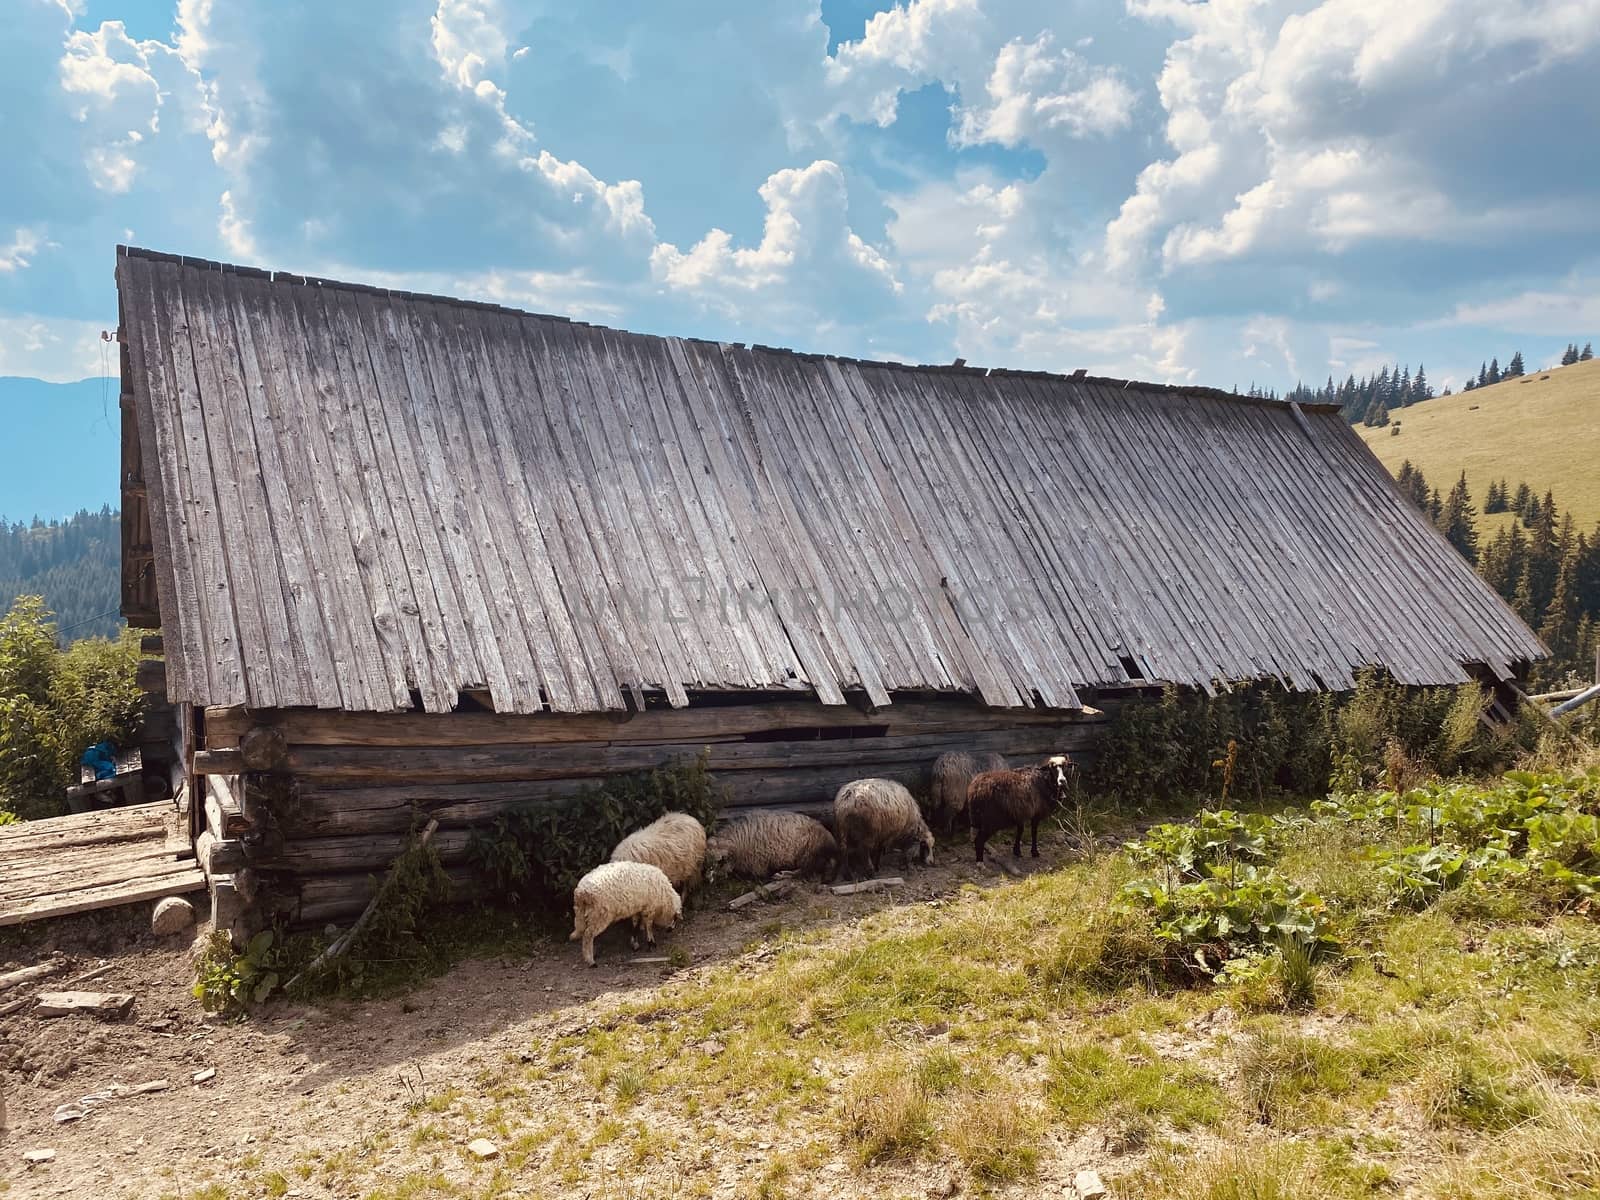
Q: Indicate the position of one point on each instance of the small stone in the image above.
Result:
(1088, 1186)
(483, 1148)
(70, 1112)
(202, 1076)
(101, 1004)
(712, 1047)
(34, 1157)
(172, 915)
(155, 1085)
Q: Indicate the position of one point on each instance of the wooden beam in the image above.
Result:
(151, 644)
(310, 727)
(264, 748)
(218, 762)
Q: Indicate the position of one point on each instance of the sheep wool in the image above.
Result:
(623, 891)
(874, 815)
(676, 843)
(952, 773)
(764, 843)
(997, 799)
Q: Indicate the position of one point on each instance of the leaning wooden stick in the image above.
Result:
(340, 944)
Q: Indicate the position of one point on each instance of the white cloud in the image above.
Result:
(807, 248)
(19, 253)
(1035, 91)
(1574, 306)
(1328, 127)
(233, 229)
(55, 350)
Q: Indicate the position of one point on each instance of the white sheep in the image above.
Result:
(952, 772)
(761, 844)
(676, 843)
(874, 815)
(622, 891)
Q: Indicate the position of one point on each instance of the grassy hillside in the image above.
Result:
(1543, 428)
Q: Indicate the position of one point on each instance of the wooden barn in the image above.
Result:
(412, 554)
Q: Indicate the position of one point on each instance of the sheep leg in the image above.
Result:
(588, 948)
(649, 934)
(979, 837)
(1016, 846)
(1036, 837)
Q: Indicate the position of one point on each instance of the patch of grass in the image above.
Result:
(886, 1114)
(1258, 1170)
(1282, 1075)
(1546, 424)
(1088, 1083)
(1556, 1154)
(992, 1132)
(1462, 1088)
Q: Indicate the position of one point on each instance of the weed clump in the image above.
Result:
(534, 856)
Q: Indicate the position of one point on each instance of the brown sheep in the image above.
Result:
(997, 799)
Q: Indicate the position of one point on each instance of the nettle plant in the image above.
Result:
(1526, 830)
(1215, 899)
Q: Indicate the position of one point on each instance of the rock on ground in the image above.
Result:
(174, 914)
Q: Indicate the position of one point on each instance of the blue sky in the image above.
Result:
(1224, 193)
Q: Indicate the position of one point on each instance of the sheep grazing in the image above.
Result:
(623, 891)
(874, 815)
(676, 843)
(952, 774)
(996, 799)
(764, 843)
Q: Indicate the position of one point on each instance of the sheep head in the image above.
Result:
(1057, 768)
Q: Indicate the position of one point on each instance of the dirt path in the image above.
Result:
(299, 1083)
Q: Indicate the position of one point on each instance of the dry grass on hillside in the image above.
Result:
(1543, 427)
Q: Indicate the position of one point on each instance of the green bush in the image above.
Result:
(536, 855)
(1538, 833)
(1257, 740)
(55, 704)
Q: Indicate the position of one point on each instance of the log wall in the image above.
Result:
(310, 805)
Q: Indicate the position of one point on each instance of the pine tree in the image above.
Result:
(1559, 630)
(1493, 563)
(1458, 520)
(1495, 501)
(1465, 387)
(1545, 550)
(1483, 374)
(1403, 394)
(1435, 507)
(1515, 368)
(1522, 597)
(1494, 370)
(1414, 485)
(1521, 502)
(1571, 355)
(1588, 352)
(1420, 390)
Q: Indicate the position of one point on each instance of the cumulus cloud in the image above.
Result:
(807, 251)
(1343, 124)
(16, 255)
(1035, 91)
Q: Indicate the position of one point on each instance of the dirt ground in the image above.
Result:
(298, 1080)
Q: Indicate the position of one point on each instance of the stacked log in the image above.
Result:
(328, 799)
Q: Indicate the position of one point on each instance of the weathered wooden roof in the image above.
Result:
(363, 497)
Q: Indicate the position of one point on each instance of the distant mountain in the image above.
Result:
(60, 448)
(76, 565)
(1541, 428)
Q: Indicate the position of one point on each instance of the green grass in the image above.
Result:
(1544, 431)
(974, 1036)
